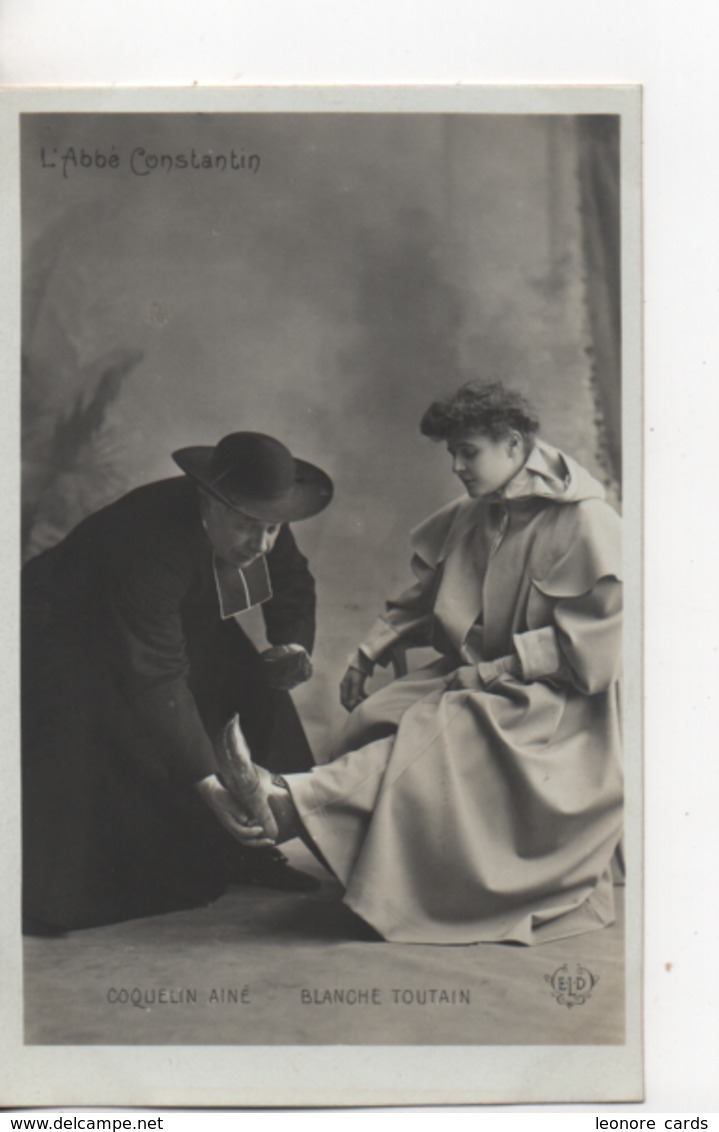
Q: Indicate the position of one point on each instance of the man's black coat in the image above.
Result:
(128, 673)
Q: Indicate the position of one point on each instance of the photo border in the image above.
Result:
(281, 1076)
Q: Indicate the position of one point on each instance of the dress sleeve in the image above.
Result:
(290, 614)
(407, 618)
(583, 646)
(577, 636)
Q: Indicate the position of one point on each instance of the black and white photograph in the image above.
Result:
(330, 509)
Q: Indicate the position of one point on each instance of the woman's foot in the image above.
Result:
(263, 796)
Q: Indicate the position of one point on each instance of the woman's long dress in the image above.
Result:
(469, 804)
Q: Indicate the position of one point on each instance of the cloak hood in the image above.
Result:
(547, 474)
(550, 474)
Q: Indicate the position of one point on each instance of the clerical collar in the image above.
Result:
(240, 589)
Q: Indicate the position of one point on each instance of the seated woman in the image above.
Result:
(480, 798)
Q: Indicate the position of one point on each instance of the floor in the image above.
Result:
(262, 967)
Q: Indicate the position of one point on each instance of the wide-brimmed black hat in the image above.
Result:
(259, 476)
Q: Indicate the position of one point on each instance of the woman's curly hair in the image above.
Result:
(480, 406)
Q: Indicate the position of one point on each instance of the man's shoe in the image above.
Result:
(268, 868)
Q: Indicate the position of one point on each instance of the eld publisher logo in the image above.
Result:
(572, 988)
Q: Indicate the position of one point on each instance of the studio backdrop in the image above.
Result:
(321, 278)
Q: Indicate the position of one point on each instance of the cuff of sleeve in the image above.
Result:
(491, 670)
(378, 642)
(193, 768)
(202, 765)
(538, 653)
(360, 660)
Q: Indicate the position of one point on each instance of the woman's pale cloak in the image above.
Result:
(474, 805)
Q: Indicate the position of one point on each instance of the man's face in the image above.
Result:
(236, 538)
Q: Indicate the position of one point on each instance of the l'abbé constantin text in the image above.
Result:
(142, 162)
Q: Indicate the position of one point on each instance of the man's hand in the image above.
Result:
(230, 815)
(286, 666)
(352, 687)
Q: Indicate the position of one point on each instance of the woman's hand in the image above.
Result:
(352, 688)
(230, 815)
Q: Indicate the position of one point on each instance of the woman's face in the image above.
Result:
(237, 539)
(485, 465)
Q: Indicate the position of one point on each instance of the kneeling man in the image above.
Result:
(132, 662)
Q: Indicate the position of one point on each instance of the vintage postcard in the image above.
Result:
(323, 755)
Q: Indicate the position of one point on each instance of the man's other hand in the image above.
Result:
(286, 666)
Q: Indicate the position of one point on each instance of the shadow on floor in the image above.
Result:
(260, 967)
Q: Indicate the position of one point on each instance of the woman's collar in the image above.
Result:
(537, 477)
